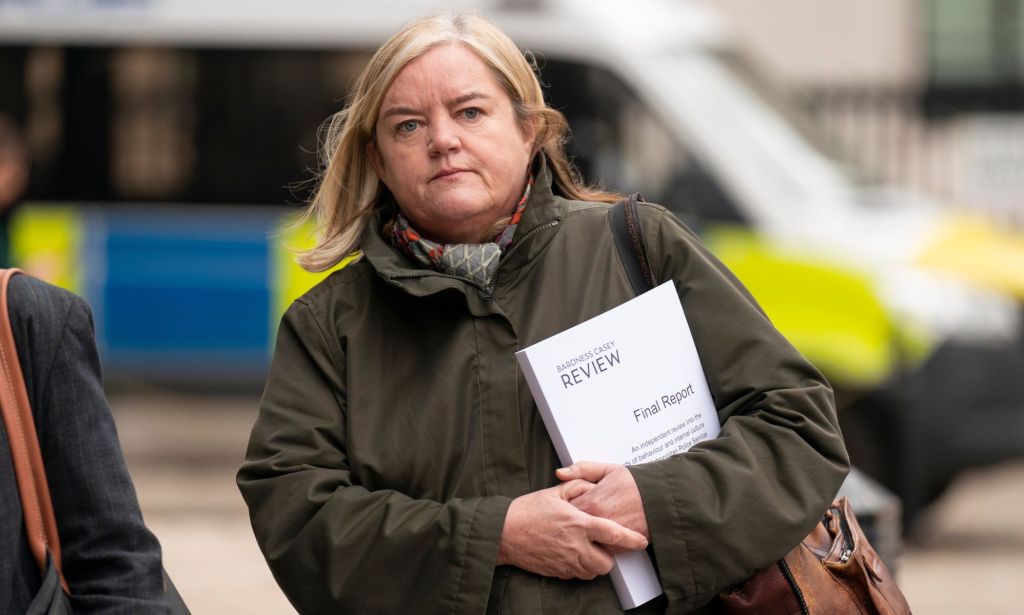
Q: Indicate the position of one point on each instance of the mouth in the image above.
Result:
(449, 173)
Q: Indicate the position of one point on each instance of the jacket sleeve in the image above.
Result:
(731, 506)
(333, 545)
(111, 560)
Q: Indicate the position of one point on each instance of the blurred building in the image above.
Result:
(924, 93)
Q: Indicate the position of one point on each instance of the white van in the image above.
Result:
(909, 313)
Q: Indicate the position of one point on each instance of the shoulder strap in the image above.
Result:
(36, 506)
(629, 241)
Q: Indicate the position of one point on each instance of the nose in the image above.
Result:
(444, 136)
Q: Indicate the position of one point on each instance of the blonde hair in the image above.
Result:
(347, 190)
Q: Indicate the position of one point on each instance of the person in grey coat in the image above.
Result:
(112, 562)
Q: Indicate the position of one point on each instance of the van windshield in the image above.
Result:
(796, 115)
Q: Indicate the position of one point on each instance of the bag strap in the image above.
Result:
(36, 505)
(629, 241)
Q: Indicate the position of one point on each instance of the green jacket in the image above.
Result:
(396, 428)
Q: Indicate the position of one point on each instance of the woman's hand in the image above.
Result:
(547, 535)
(613, 496)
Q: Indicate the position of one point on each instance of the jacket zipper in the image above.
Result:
(489, 291)
(844, 529)
(521, 240)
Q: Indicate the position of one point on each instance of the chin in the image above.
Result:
(463, 206)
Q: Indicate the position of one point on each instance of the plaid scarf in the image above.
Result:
(475, 261)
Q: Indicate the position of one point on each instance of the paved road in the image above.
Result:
(183, 450)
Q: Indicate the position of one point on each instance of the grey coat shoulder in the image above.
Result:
(39, 309)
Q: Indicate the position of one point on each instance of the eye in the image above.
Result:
(471, 114)
(408, 126)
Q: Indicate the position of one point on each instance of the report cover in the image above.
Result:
(624, 387)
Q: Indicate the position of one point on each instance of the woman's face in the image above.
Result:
(449, 147)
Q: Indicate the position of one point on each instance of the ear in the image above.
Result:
(376, 160)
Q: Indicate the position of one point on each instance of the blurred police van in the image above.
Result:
(167, 134)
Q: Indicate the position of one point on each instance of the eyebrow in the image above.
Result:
(467, 97)
(458, 100)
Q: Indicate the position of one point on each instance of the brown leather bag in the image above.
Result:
(833, 571)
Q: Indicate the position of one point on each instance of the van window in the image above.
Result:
(620, 144)
(150, 124)
(182, 125)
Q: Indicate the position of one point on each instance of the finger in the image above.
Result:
(580, 569)
(597, 561)
(587, 470)
(614, 535)
(574, 489)
(613, 551)
(587, 502)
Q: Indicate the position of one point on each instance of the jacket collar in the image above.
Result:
(537, 227)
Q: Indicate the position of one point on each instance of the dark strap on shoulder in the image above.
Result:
(629, 241)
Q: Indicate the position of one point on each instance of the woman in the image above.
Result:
(110, 560)
(399, 464)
